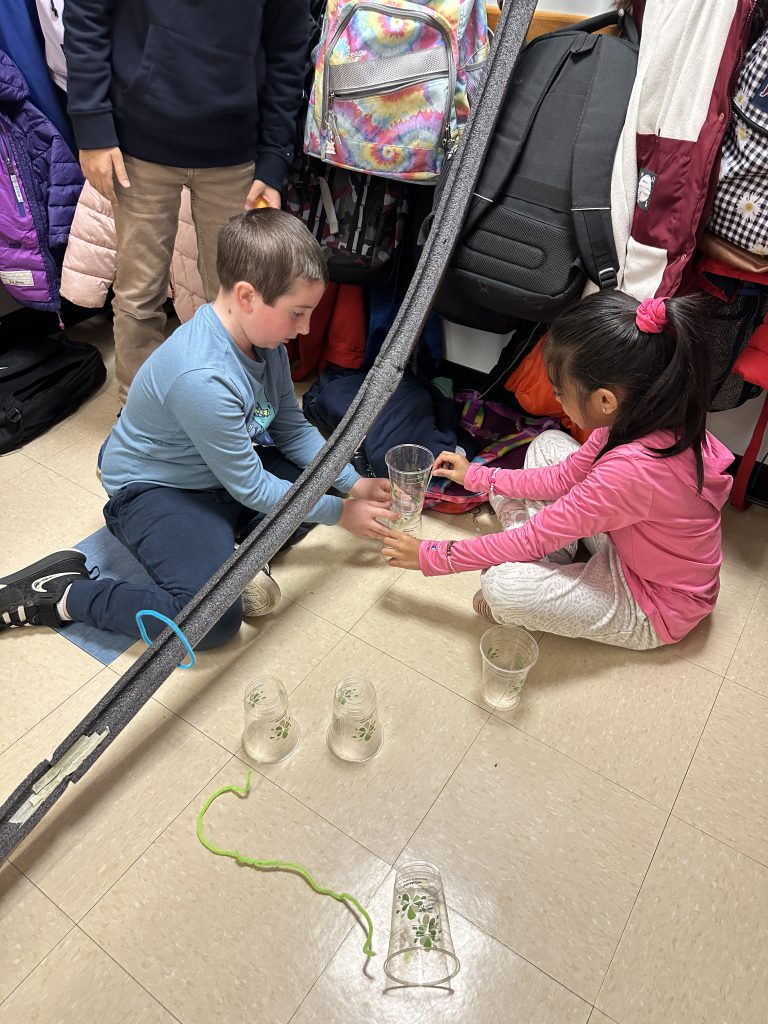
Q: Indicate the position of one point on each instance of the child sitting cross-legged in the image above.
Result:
(644, 492)
(210, 439)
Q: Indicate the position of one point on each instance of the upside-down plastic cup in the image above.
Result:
(410, 469)
(271, 732)
(509, 653)
(355, 733)
(420, 946)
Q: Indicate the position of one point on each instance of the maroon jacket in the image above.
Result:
(686, 171)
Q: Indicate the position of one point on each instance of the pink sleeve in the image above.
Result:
(613, 496)
(542, 484)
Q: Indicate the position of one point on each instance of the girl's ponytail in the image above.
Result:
(689, 376)
(655, 355)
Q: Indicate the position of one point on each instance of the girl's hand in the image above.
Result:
(451, 465)
(372, 489)
(401, 551)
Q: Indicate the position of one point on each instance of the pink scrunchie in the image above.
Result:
(651, 316)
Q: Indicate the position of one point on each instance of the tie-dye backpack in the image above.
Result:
(394, 81)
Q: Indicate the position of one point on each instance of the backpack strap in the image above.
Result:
(522, 104)
(593, 157)
(600, 21)
(527, 96)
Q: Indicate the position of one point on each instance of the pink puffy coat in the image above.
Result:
(89, 262)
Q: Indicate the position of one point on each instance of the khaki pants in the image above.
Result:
(146, 221)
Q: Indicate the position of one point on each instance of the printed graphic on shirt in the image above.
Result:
(259, 419)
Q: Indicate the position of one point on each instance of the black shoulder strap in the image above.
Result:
(600, 21)
(540, 64)
(593, 157)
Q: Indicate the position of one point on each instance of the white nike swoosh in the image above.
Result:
(39, 585)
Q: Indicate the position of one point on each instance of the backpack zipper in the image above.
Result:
(6, 154)
(424, 16)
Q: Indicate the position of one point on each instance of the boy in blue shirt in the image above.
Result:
(196, 459)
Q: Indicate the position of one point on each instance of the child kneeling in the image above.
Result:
(644, 493)
(210, 439)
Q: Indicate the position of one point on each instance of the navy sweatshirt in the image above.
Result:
(188, 83)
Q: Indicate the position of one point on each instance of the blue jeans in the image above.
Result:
(181, 538)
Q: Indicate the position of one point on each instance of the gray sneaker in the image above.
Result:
(261, 596)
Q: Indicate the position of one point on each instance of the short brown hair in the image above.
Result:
(269, 249)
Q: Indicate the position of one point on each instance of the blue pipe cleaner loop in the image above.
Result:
(169, 622)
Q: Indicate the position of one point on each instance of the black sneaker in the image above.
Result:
(29, 597)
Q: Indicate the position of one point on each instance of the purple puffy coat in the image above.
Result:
(40, 181)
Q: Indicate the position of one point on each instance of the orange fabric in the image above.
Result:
(337, 333)
(347, 329)
(530, 386)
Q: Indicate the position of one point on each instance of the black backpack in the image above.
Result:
(540, 223)
(41, 382)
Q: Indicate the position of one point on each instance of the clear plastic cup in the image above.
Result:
(410, 469)
(271, 733)
(509, 653)
(355, 732)
(420, 946)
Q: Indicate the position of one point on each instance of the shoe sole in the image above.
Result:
(270, 589)
(482, 608)
(38, 569)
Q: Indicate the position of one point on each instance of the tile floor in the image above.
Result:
(604, 847)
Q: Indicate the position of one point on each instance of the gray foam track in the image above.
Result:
(116, 709)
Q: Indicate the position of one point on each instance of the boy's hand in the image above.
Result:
(361, 517)
(451, 465)
(260, 190)
(401, 551)
(101, 167)
(372, 489)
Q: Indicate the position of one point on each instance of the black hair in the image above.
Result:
(663, 381)
(271, 250)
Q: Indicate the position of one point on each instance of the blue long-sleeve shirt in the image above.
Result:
(194, 411)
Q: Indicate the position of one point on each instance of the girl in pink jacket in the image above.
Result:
(644, 492)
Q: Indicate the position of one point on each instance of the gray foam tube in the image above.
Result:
(131, 692)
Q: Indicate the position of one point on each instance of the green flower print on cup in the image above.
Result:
(347, 694)
(411, 903)
(255, 697)
(365, 731)
(281, 730)
(427, 932)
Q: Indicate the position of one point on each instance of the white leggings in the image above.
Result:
(579, 599)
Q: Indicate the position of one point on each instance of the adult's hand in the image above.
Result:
(260, 190)
(372, 489)
(361, 517)
(101, 167)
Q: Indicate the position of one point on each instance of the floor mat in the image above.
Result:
(115, 562)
